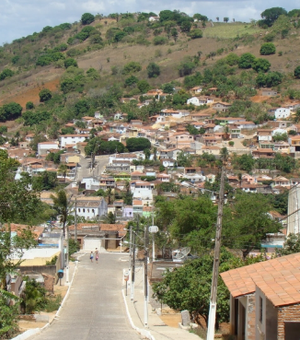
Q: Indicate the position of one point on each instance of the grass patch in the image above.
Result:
(53, 303)
(230, 30)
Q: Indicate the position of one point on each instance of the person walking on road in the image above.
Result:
(96, 255)
(92, 256)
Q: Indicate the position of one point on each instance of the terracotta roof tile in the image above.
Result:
(279, 279)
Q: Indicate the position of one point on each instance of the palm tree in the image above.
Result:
(61, 205)
(63, 170)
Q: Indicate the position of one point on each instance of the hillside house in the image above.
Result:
(263, 153)
(221, 106)
(264, 135)
(268, 93)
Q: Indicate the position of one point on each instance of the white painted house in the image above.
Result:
(71, 139)
(44, 147)
(90, 207)
(282, 113)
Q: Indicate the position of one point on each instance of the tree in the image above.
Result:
(110, 218)
(291, 245)
(137, 144)
(29, 106)
(267, 48)
(130, 81)
(62, 206)
(185, 26)
(246, 60)
(6, 73)
(244, 162)
(10, 111)
(261, 65)
(153, 70)
(63, 170)
(19, 203)
(87, 18)
(143, 86)
(297, 72)
(184, 159)
(174, 33)
(45, 181)
(188, 287)
(45, 95)
(226, 19)
(247, 222)
(270, 15)
(186, 67)
(277, 137)
(168, 88)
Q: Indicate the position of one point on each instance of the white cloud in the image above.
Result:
(20, 18)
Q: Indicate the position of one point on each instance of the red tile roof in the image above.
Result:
(279, 279)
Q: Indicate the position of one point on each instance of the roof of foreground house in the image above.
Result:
(278, 279)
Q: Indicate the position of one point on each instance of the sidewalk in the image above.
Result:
(157, 329)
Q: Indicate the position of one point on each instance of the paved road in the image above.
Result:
(95, 307)
(85, 164)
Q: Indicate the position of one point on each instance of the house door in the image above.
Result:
(292, 330)
(241, 322)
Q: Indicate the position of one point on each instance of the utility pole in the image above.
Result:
(75, 221)
(214, 284)
(133, 262)
(146, 233)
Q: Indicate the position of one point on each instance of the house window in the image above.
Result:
(79, 210)
(260, 309)
(83, 210)
(93, 211)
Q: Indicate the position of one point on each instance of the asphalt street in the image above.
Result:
(95, 308)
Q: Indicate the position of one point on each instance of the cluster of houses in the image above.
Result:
(253, 298)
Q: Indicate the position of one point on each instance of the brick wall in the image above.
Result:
(287, 314)
(251, 328)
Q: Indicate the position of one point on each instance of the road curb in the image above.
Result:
(30, 332)
(145, 333)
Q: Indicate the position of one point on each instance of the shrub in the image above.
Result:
(70, 62)
(186, 67)
(196, 33)
(297, 72)
(132, 67)
(261, 65)
(246, 60)
(131, 81)
(267, 48)
(232, 59)
(160, 40)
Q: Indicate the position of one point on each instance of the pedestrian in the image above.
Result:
(96, 255)
(92, 256)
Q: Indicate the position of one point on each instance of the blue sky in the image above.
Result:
(19, 18)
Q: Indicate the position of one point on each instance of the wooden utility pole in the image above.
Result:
(215, 275)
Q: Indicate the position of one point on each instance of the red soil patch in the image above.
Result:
(31, 94)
